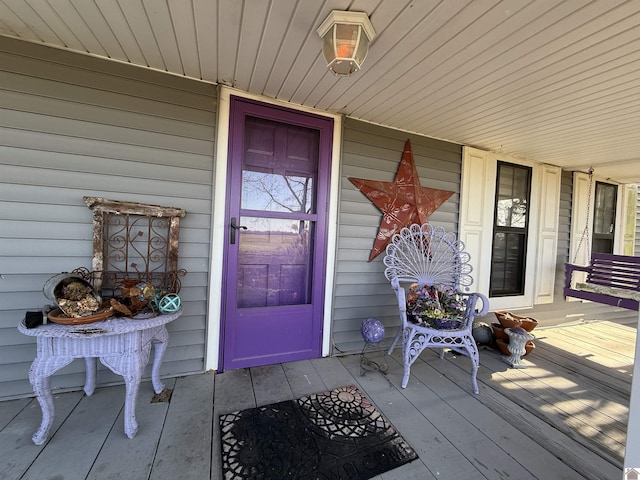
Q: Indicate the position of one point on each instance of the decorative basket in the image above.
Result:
(73, 295)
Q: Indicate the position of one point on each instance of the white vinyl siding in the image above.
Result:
(74, 125)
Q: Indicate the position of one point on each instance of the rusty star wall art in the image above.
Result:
(402, 202)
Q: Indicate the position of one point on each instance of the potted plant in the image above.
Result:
(435, 306)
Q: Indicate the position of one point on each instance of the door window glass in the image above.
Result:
(279, 167)
(279, 171)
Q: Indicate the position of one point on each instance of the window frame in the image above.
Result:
(523, 232)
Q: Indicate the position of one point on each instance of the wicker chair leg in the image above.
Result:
(395, 341)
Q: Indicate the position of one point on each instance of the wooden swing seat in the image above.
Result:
(611, 280)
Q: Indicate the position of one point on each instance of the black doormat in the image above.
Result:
(331, 435)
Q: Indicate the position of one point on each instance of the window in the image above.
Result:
(604, 217)
(510, 229)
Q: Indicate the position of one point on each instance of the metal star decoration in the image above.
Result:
(402, 202)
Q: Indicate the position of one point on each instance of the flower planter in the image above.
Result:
(498, 332)
(510, 320)
(439, 307)
(504, 349)
(447, 323)
(436, 322)
(528, 323)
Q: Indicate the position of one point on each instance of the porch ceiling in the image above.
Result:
(558, 82)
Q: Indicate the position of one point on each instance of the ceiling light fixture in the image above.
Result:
(345, 41)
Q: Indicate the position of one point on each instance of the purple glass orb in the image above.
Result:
(372, 330)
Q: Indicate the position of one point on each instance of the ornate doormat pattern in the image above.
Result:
(331, 435)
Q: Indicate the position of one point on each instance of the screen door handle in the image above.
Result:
(234, 227)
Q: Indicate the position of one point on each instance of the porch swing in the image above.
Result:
(608, 279)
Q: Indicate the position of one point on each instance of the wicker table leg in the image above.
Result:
(41, 369)
(130, 366)
(160, 339)
(90, 381)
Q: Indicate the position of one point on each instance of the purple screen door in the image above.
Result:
(275, 258)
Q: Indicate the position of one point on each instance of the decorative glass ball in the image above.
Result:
(170, 303)
(372, 330)
(482, 333)
(155, 301)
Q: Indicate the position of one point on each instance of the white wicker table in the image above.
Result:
(122, 344)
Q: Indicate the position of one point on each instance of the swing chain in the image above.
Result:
(585, 232)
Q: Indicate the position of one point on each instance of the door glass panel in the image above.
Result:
(274, 262)
(279, 167)
(276, 192)
(279, 172)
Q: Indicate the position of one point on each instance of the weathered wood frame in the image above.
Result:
(102, 206)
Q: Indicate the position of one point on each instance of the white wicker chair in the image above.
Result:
(429, 255)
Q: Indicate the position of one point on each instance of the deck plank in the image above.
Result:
(477, 431)
(561, 410)
(71, 452)
(520, 409)
(563, 417)
(10, 409)
(333, 373)
(613, 402)
(525, 417)
(18, 451)
(613, 330)
(135, 456)
(184, 448)
(607, 357)
(543, 425)
(609, 382)
(572, 401)
(303, 378)
(233, 391)
(270, 384)
(440, 458)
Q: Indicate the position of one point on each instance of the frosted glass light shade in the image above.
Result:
(345, 41)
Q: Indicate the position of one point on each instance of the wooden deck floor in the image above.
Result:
(564, 417)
